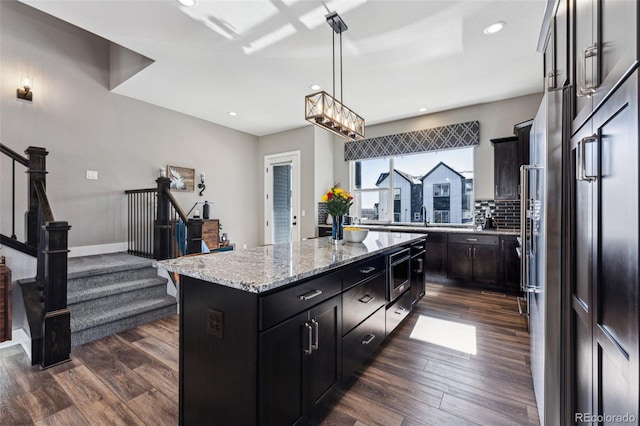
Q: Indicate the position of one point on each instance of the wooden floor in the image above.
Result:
(132, 378)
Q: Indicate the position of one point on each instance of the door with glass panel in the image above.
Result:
(282, 198)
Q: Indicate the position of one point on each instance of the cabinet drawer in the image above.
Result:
(474, 239)
(283, 304)
(397, 312)
(361, 343)
(361, 301)
(437, 237)
(361, 271)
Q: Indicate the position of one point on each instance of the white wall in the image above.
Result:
(496, 121)
(86, 127)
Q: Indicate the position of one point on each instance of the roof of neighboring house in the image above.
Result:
(411, 179)
(437, 166)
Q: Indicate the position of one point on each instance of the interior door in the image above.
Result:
(282, 205)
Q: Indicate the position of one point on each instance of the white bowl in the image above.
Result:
(355, 236)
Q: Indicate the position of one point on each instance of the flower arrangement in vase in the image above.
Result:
(338, 202)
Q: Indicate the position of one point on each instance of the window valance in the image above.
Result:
(444, 137)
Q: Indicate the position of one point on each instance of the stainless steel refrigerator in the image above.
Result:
(541, 221)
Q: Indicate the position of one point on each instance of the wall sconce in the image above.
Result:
(24, 91)
(201, 185)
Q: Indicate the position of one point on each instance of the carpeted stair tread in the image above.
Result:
(79, 267)
(112, 289)
(82, 322)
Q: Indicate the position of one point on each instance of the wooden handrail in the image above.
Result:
(140, 191)
(44, 201)
(176, 206)
(14, 155)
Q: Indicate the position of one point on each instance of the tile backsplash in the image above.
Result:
(506, 214)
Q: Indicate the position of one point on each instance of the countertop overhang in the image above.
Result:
(265, 268)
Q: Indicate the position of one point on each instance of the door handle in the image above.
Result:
(587, 89)
(421, 266)
(316, 329)
(309, 348)
(401, 311)
(469, 253)
(581, 158)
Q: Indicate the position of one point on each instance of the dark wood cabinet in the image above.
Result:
(435, 262)
(211, 233)
(509, 154)
(474, 259)
(299, 364)
(324, 231)
(361, 342)
(606, 46)
(510, 264)
(506, 165)
(604, 315)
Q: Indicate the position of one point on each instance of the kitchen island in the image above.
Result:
(267, 335)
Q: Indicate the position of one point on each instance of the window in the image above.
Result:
(394, 189)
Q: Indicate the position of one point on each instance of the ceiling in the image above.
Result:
(258, 58)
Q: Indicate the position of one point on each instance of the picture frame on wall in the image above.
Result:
(182, 178)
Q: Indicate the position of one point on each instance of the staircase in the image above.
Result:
(111, 293)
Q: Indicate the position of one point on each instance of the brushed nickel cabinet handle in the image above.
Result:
(472, 239)
(316, 330)
(582, 173)
(368, 270)
(401, 311)
(368, 339)
(309, 347)
(310, 295)
(366, 299)
(587, 89)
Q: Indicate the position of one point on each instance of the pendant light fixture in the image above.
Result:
(325, 110)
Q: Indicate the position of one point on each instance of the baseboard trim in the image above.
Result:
(97, 249)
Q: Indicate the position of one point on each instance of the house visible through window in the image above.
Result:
(441, 181)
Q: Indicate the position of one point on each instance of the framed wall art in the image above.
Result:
(182, 178)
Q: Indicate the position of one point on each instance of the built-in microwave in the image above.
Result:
(399, 267)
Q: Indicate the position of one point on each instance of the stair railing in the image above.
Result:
(45, 296)
(157, 224)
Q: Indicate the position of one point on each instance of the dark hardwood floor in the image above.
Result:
(132, 378)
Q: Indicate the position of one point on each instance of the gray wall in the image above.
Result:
(86, 127)
(496, 121)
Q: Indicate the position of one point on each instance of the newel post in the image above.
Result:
(37, 171)
(162, 227)
(57, 318)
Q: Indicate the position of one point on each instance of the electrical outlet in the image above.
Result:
(92, 175)
(215, 322)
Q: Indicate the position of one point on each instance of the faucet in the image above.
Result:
(423, 213)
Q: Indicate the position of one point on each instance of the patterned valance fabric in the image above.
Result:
(445, 137)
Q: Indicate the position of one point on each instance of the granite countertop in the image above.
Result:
(449, 229)
(260, 269)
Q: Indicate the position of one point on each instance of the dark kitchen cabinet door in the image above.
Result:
(506, 168)
(435, 261)
(300, 364)
(510, 263)
(281, 385)
(460, 262)
(605, 357)
(485, 264)
(324, 361)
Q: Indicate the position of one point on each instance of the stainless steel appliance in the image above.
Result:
(399, 267)
(417, 271)
(541, 210)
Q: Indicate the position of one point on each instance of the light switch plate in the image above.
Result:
(92, 175)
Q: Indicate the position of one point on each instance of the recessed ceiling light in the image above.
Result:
(232, 113)
(495, 27)
(423, 109)
(315, 87)
(187, 3)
